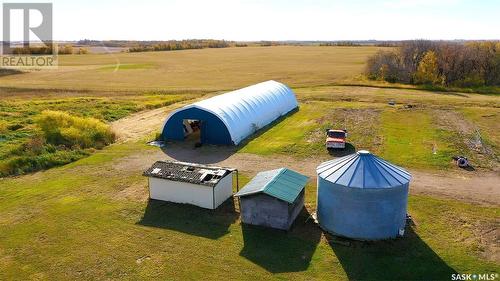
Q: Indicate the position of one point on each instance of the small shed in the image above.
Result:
(273, 198)
(200, 185)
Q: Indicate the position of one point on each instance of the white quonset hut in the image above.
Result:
(200, 185)
(231, 117)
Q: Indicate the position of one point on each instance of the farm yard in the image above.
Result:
(91, 218)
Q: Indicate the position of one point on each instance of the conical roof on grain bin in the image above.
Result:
(363, 170)
(361, 196)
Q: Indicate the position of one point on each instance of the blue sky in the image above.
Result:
(276, 19)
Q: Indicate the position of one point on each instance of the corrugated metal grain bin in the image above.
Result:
(362, 196)
(273, 198)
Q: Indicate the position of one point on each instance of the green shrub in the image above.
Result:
(30, 163)
(15, 127)
(34, 146)
(4, 127)
(60, 128)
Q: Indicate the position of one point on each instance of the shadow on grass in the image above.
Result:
(407, 258)
(207, 154)
(190, 219)
(349, 149)
(279, 251)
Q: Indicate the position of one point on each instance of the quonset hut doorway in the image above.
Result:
(192, 130)
(209, 129)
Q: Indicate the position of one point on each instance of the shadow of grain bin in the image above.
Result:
(408, 258)
(190, 219)
(278, 251)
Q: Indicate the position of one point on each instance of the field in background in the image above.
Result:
(206, 69)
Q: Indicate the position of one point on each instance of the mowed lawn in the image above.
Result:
(206, 69)
(91, 220)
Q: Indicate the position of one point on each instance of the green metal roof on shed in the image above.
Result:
(283, 184)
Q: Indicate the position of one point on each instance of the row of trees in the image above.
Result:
(467, 64)
(69, 49)
(180, 45)
(35, 50)
(341, 44)
(48, 50)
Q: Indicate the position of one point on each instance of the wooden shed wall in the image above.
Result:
(262, 209)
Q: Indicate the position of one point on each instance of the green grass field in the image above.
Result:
(417, 137)
(72, 224)
(90, 219)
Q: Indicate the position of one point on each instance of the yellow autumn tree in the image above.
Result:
(428, 71)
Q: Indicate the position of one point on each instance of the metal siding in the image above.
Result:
(286, 186)
(362, 196)
(367, 214)
(243, 110)
(281, 183)
(258, 183)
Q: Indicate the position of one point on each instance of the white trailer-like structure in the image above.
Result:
(195, 184)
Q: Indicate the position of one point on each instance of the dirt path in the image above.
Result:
(141, 124)
(476, 187)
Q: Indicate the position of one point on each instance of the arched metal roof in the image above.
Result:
(363, 170)
(247, 110)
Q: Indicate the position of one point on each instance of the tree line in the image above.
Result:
(49, 50)
(469, 64)
(173, 45)
(341, 44)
